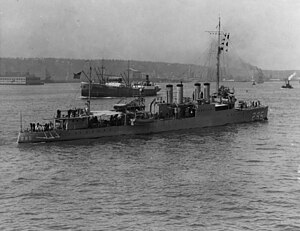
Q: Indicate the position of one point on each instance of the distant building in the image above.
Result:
(18, 78)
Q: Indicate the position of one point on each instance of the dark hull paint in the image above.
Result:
(288, 87)
(100, 90)
(206, 119)
(23, 84)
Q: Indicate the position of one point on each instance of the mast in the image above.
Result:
(218, 57)
(89, 99)
(128, 73)
(89, 78)
(102, 71)
(220, 47)
(21, 122)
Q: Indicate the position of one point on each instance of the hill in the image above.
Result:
(61, 70)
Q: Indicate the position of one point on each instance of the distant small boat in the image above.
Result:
(258, 76)
(287, 85)
(48, 77)
(287, 81)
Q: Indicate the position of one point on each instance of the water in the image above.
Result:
(235, 177)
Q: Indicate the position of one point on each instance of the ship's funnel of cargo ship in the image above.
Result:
(197, 91)
(206, 91)
(179, 93)
(169, 93)
(147, 80)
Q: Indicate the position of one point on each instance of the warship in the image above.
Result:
(201, 109)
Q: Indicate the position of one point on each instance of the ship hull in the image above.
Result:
(209, 119)
(101, 90)
(287, 87)
(20, 80)
(22, 84)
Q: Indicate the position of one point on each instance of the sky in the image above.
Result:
(265, 33)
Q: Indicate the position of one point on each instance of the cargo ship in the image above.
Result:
(18, 78)
(201, 109)
(118, 86)
(115, 87)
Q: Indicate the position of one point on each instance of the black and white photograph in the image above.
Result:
(173, 115)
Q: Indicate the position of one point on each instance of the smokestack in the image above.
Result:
(179, 93)
(147, 80)
(206, 91)
(197, 90)
(169, 93)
